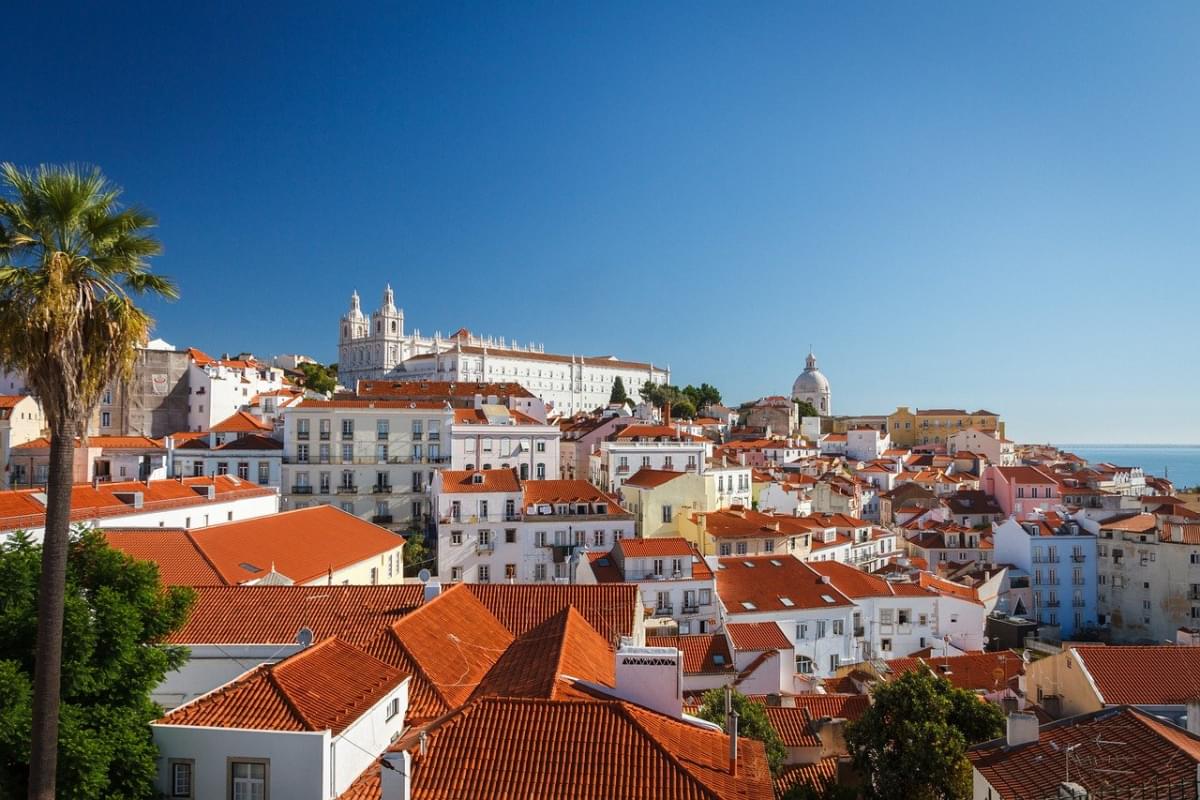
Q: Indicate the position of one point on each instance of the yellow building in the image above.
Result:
(659, 498)
(936, 425)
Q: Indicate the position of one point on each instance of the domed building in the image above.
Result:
(813, 387)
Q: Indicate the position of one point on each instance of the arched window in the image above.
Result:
(378, 326)
(805, 665)
(393, 326)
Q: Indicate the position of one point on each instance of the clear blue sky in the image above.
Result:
(957, 204)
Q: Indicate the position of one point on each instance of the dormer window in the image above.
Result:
(477, 478)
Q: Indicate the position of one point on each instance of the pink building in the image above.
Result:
(1021, 491)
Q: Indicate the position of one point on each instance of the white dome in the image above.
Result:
(810, 382)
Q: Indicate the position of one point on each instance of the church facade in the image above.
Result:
(813, 387)
(377, 347)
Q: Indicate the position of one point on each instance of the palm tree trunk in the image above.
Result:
(47, 669)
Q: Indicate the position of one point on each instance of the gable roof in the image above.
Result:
(515, 748)
(180, 561)
(1142, 675)
(324, 687)
(757, 636)
(242, 422)
(647, 478)
(858, 584)
(1112, 749)
(474, 481)
(750, 585)
(703, 653)
(609, 608)
(975, 672)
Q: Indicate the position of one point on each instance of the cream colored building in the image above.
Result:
(657, 498)
(21, 421)
(934, 426)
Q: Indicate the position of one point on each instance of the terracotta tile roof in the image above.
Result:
(464, 481)
(515, 749)
(180, 561)
(303, 545)
(1112, 751)
(11, 400)
(242, 422)
(476, 416)
(766, 583)
(20, 509)
(103, 442)
(317, 405)
(844, 706)
(757, 636)
(1143, 675)
(975, 672)
(646, 478)
(1132, 523)
(274, 614)
(1025, 475)
(795, 725)
(568, 491)
(667, 432)
(855, 583)
(324, 687)
(534, 664)
(949, 588)
(252, 441)
(703, 653)
(655, 546)
(610, 609)
(816, 775)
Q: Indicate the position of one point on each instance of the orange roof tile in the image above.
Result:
(567, 491)
(647, 478)
(242, 422)
(324, 687)
(856, 583)
(816, 774)
(703, 653)
(609, 608)
(274, 614)
(757, 636)
(534, 664)
(1143, 675)
(975, 672)
(465, 481)
(655, 546)
(515, 749)
(440, 389)
(180, 562)
(769, 583)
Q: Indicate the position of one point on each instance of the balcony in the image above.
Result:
(381, 489)
(1078, 558)
(324, 436)
(1077, 603)
(347, 489)
(485, 547)
(859, 631)
(382, 519)
(347, 436)
(302, 490)
(691, 608)
(302, 435)
(664, 611)
(1052, 603)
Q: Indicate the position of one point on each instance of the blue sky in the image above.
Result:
(957, 204)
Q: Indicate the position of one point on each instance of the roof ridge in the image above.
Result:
(199, 549)
(282, 690)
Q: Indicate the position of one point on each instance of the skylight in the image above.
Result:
(828, 599)
(249, 567)
(787, 601)
(746, 604)
(748, 563)
(718, 658)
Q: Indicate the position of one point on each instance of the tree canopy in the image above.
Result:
(685, 402)
(912, 740)
(806, 409)
(753, 722)
(319, 378)
(618, 394)
(117, 617)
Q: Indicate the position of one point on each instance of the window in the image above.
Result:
(381, 429)
(510, 572)
(455, 537)
(347, 429)
(106, 398)
(801, 631)
(456, 573)
(886, 616)
(485, 573)
(248, 780)
(243, 469)
(105, 419)
(598, 539)
(222, 467)
(705, 597)
(726, 549)
(417, 431)
(264, 472)
(741, 548)
(885, 645)
(539, 571)
(839, 627)
(393, 707)
(541, 447)
(510, 535)
(667, 516)
(805, 665)
(181, 777)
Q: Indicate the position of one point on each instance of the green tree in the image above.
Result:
(319, 378)
(117, 617)
(911, 742)
(806, 409)
(417, 554)
(827, 790)
(702, 396)
(753, 722)
(618, 394)
(71, 261)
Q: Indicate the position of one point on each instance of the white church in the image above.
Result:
(812, 386)
(378, 348)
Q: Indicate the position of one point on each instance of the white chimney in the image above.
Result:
(394, 772)
(651, 677)
(432, 590)
(1022, 729)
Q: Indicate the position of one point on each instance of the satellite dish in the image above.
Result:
(423, 576)
(304, 637)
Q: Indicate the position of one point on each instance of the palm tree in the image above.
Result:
(71, 261)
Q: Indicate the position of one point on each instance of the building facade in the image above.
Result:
(934, 426)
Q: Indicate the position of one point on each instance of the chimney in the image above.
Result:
(394, 772)
(1193, 716)
(733, 742)
(1069, 790)
(432, 590)
(651, 677)
(667, 413)
(1022, 729)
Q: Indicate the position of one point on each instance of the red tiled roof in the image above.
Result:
(463, 481)
(567, 491)
(757, 636)
(317, 405)
(1025, 475)
(1143, 675)
(1112, 750)
(667, 432)
(769, 583)
(11, 400)
(655, 546)
(816, 775)
(1133, 523)
(534, 664)
(609, 608)
(647, 478)
(856, 583)
(324, 687)
(975, 672)
(703, 653)
(844, 706)
(274, 614)
(102, 442)
(242, 422)
(180, 562)
(515, 748)
(304, 545)
(405, 390)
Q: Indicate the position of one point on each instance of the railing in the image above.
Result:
(1078, 558)
(324, 436)
(1077, 603)
(485, 547)
(302, 490)
(347, 489)
(302, 435)
(1052, 603)
(691, 608)
(664, 611)
(381, 489)
(382, 519)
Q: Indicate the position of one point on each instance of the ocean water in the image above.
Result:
(1180, 463)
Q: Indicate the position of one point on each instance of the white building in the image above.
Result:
(991, 444)
(21, 421)
(494, 527)
(494, 437)
(378, 347)
(813, 387)
(303, 728)
(250, 457)
(218, 388)
(677, 586)
(866, 444)
(647, 446)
